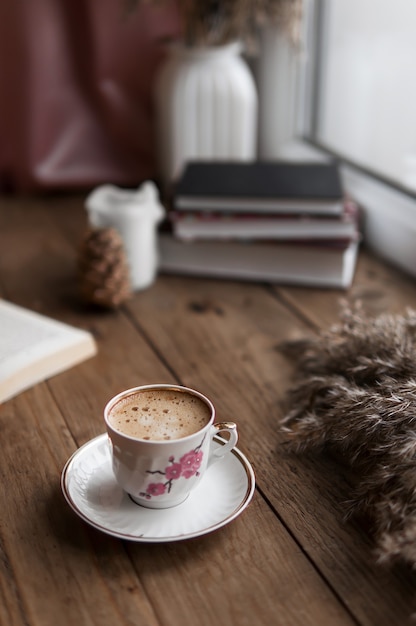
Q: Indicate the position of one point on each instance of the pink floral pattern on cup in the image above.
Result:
(187, 466)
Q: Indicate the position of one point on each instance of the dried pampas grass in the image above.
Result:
(217, 22)
(356, 397)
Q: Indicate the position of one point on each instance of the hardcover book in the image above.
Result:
(34, 347)
(275, 186)
(190, 225)
(317, 264)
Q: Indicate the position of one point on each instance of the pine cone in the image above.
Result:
(103, 269)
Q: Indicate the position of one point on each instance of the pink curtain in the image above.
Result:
(76, 79)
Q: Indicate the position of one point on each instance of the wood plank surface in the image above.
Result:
(290, 558)
(306, 493)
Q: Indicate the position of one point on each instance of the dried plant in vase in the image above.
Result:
(356, 397)
(206, 66)
(217, 22)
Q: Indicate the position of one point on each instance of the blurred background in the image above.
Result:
(77, 103)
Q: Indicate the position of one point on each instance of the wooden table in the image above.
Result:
(288, 559)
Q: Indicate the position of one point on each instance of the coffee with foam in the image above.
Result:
(159, 414)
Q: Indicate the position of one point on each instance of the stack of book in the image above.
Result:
(270, 221)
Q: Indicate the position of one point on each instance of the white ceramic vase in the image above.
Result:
(206, 108)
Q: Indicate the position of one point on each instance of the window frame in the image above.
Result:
(389, 210)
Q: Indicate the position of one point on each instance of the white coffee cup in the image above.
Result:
(161, 442)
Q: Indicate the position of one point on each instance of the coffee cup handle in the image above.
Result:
(223, 427)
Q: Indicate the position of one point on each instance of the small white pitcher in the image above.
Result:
(135, 214)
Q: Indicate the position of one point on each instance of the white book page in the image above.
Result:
(33, 346)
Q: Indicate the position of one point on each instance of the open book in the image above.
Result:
(34, 347)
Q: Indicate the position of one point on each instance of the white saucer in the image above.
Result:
(90, 489)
